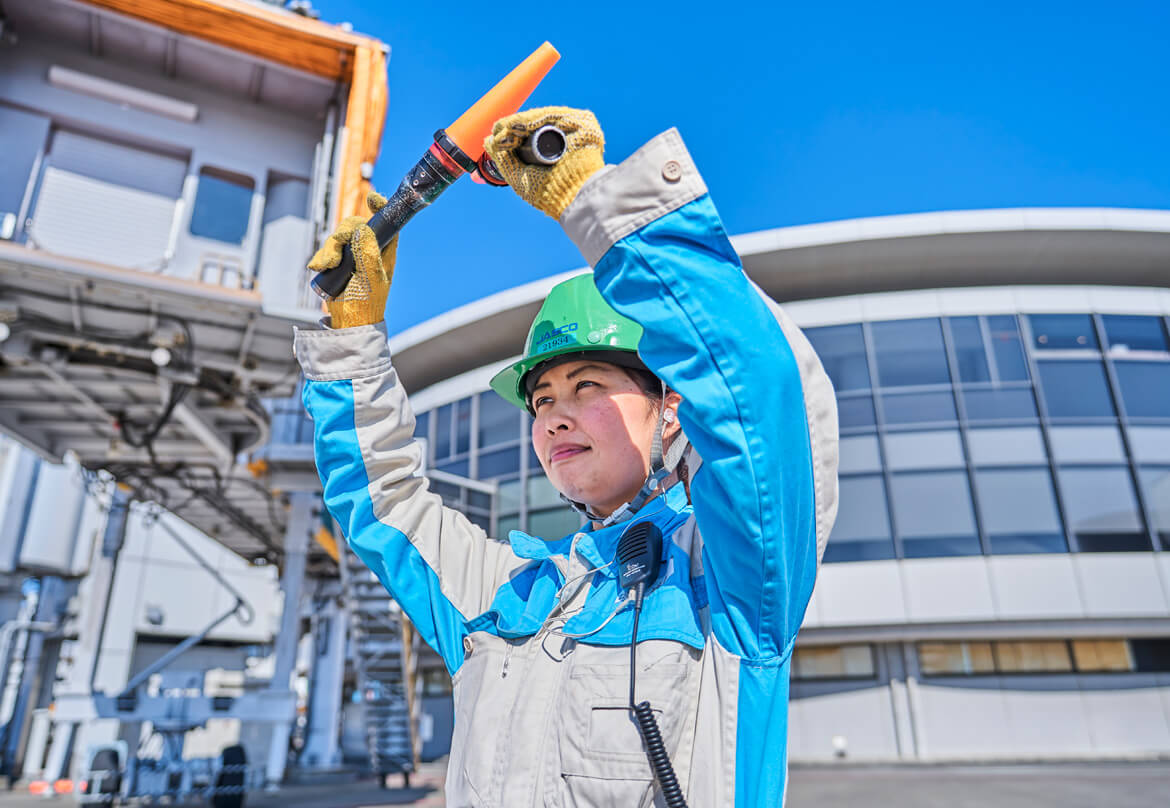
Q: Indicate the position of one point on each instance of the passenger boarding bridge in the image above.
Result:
(167, 169)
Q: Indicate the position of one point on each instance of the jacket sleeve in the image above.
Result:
(757, 405)
(439, 566)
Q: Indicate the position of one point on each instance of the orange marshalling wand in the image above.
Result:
(458, 149)
(470, 128)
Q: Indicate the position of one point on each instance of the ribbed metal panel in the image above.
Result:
(106, 202)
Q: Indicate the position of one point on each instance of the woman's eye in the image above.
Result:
(585, 383)
(538, 402)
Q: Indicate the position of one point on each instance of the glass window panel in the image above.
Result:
(499, 462)
(479, 499)
(842, 352)
(1150, 444)
(1006, 446)
(1156, 489)
(461, 468)
(555, 523)
(1152, 656)
(506, 524)
(855, 412)
(1095, 656)
(1086, 444)
(421, 423)
(443, 432)
(223, 206)
(912, 408)
(509, 496)
(934, 515)
(1075, 389)
(834, 662)
(463, 426)
(999, 404)
(862, 529)
(910, 352)
(1019, 511)
(541, 493)
(970, 354)
(452, 495)
(859, 453)
(1145, 388)
(1129, 333)
(1062, 331)
(499, 421)
(1102, 509)
(924, 450)
(1046, 656)
(955, 658)
(1008, 349)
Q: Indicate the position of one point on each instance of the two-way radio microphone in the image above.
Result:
(639, 557)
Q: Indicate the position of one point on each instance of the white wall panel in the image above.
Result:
(1120, 584)
(941, 589)
(863, 717)
(1044, 719)
(967, 720)
(1126, 717)
(1030, 587)
(861, 593)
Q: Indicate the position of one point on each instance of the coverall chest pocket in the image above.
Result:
(602, 758)
(481, 710)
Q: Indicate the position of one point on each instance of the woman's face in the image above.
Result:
(592, 432)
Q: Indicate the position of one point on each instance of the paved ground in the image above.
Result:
(1081, 785)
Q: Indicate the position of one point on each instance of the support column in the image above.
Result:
(323, 743)
(296, 544)
(91, 634)
(913, 699)
(900, 702)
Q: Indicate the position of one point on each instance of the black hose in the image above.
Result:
(651, 735)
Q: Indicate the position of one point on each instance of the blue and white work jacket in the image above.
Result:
(527, 627)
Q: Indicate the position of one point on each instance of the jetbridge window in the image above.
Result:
(910, 352)
(1102, 510)
(1128, 333)
(841, 349)
(1145, 388)
(1155, 482)
(223, 206)
(833, 662)
(1062, 332)
(1019, 511)
(1014, 657)
(1075, 389)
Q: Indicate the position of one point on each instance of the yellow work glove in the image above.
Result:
(548, 188)
(363, 302)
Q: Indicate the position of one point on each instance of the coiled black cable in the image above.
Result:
(648, 726)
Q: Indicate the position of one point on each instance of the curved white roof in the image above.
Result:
(1112, 246)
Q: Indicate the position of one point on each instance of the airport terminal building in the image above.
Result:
(997, 585)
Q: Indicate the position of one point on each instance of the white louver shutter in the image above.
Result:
(106, 202)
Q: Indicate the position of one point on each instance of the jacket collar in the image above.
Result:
(597, 547)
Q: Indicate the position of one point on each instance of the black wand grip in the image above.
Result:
(421, 186)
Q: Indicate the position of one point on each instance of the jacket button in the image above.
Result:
(671, 171)
(468, 644)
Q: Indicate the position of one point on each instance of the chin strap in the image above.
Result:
(661, 467)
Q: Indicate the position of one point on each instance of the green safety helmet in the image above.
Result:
(573, 321)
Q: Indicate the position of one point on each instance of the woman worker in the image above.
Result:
(664, 388)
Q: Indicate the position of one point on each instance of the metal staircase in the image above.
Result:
(384, 650)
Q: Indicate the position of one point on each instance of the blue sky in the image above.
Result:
(793, 113)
